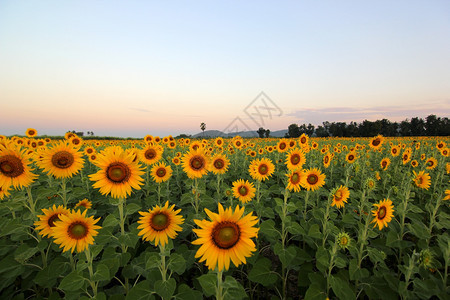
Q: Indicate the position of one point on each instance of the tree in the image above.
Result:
(267, 133)
(203, 127)
(261, 131)
(294, 131)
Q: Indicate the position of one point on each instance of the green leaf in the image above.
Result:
(102, 273)
(419, 229)
(165, 288)
(153, 260)
(285, 255)
(262, 272)
(268, 228)
(355, 272)
(233, 289)
(187, 293)
(132, 208)
(110, 221)
(114, 201)
(322, 259)
(208, 283)
(314, 293)
(341, 288)
(24, 252)
(72, 282)
(314, 231)
(177, 263)
(141, 291)
(295, 228)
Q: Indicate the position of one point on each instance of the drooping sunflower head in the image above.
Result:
(431, 163)
(161, 172)
(219, 164)
(340, 196)
(227, 237)
(294, 180)
(62, 160)
(31, 132)
(383, 214)
(195, 163)
(422, 180)
(14, 167)
(243, 190)
(313, 179)
(84, 203)
(118, 173)
(159, 224)
(47, 221)
(75, 231)
(295, 159)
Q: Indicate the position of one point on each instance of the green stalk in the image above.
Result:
(331, 265)
(89, 259)
(163, 267)
(219, 287)
(306, 204)
(31, 203)
(284, 272)
(64, 191)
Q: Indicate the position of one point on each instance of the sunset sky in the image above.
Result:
(131, 68)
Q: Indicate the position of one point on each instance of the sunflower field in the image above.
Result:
(165, 218)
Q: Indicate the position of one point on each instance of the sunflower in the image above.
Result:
(195, 145)
(31, 132)
(89, 150)
(176, 161)
(326, 160)
(294, 180)
(4, 191)
(46, 221)
(160, 223)
(243, 190)
(343, 240)
(440, 145)
(383, 214)
(395, 150)
(313, 179)
(303, 140)
(447, 195)
(161, 172)
(84, 203)
(219, 164)
(431, 163)
(422, 180)
(295, 159)
(228, 236)
(118, 173)
(151, 154)
(384, 163)
(350, 157)
(76, 142)
(376, 142)
(62, 160)
(75, 231)
(406, 157)
(14, 167)
(340, 196)
(445, 152)
(195, 163)
(414, 163)
(237, 142)
(283, 145)
(261, 169)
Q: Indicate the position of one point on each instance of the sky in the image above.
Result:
(132, 68)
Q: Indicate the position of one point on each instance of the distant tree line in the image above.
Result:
(431, 126)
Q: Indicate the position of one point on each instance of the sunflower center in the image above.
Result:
(303, 140)
(338, 196)
(384, 163)
(11, 166)
(263, 169)
(62, 159)
(351, 157)
(326, 159)
(312, 179)
(226, 234)
(150, 154)
(243, 191)
(161, 172)
(31, 132)
(52, 219)
(394, 150)
(382, 213)
(159, 222)
(282, 146)
(295, 178)
(219, 163)
(118, 172)
(77, 231)
(419, 180)
(295, 159)
(430, 163)
(344, 240)
(376, 142)
(197, 162)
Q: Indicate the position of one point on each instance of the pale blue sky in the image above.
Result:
(131, 68)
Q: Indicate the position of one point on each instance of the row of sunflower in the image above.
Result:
(317, 218)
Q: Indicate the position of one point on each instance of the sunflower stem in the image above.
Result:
(89, 259)
(196, 195)
(159, 193)
(402, 219)
(283, 240)
(325, 221)
(218, 188)
(163, 267)
(331, 265)
(64, 192)
(306, 204)
(433, 217)
(31, 202)
(219, 288)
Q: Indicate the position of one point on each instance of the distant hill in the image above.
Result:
(245, 134)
